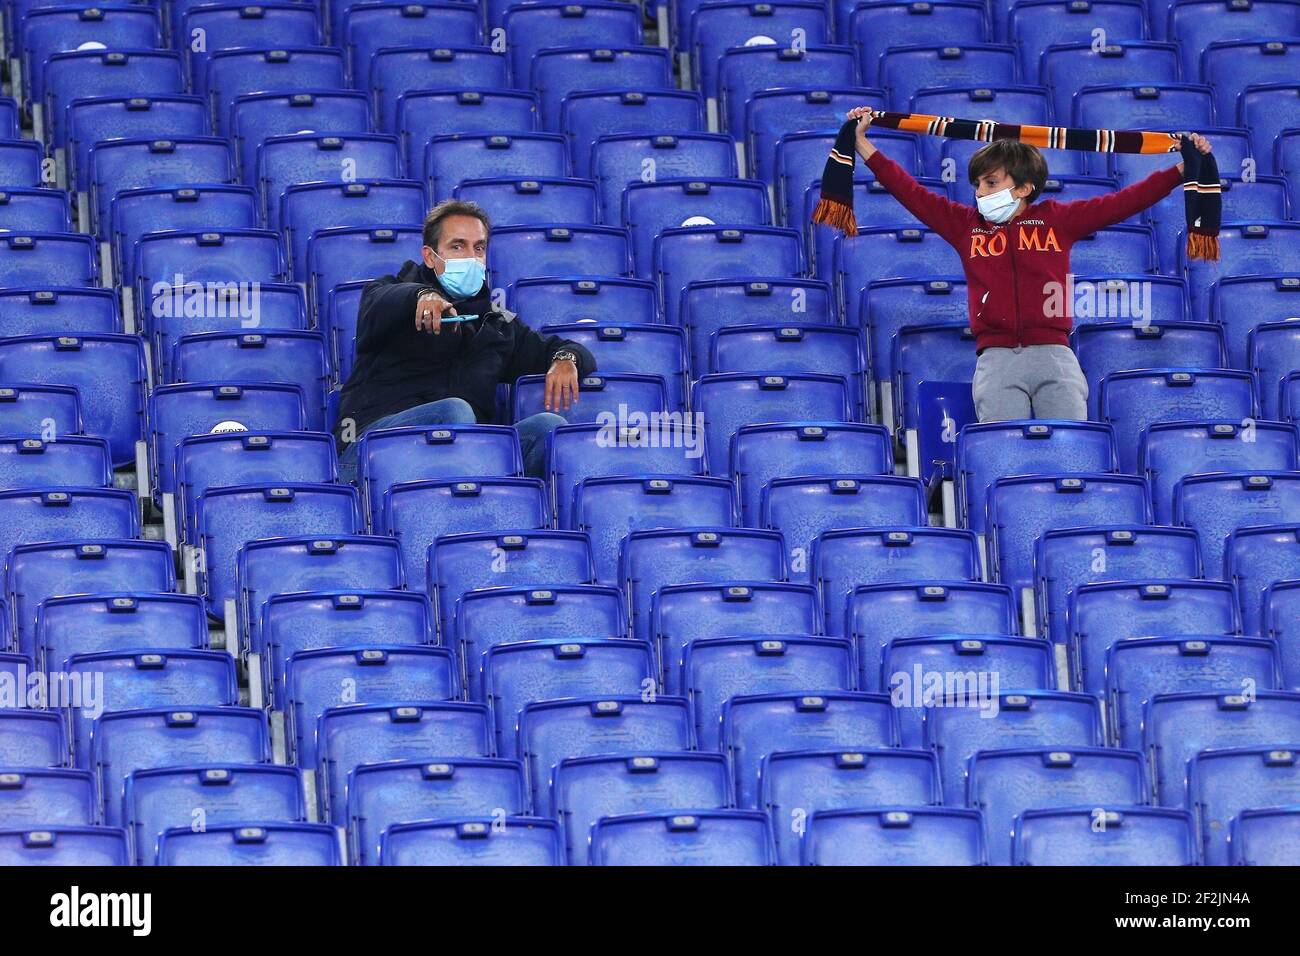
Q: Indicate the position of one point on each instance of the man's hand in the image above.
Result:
(429, 310)
(1200, 142)
(864, 147)
(561, 386)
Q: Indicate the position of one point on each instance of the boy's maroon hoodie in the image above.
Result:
(1011, 268)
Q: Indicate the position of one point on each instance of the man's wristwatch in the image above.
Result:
(565, 355)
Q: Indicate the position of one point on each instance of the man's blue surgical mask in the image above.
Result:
(462, 278)
(999, 206)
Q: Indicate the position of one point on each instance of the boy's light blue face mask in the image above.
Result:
(997, 207)
(462, 278)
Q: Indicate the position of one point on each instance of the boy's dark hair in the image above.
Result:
(451, 207)
(1022, 162)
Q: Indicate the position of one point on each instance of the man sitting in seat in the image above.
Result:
(431, 348)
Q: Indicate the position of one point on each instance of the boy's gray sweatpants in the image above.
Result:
(1033, 381)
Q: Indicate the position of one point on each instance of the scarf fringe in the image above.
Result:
(837, 215)
(1202, 247)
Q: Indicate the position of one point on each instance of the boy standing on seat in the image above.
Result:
(1016, 256)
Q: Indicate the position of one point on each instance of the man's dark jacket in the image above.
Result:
(398, 367)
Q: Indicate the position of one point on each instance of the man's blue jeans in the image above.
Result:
(456, 411)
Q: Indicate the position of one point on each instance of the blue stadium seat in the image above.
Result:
(1036, 25)
(492, 616)
(532, 202)
(1250, 248)
(716, 28)
(603, 397)
(763, 452)
(92, 119)
(798, 783)
(136, 212)
(400, 69)
(21, 162)
(1020, 508)
(519, 251)
(576, 67)
(1014, 719)
(1101, 613)
(1135, 399)
(1256, 558)
(118, 73)
(469, 561)
(228, 518)
(795, 165)
(1241, 303)
(620, 159)
(354, 619)
(308, 207)
(731, 400)
(1232, 149)
(650, 207)
(1264, 837)
(1177, 727)
(424, 114)
(870, 198)
(515, 675)
(1004, 783)
(772, 114)
(755, 727)
(117, 165)
(1139, 669)
(352, 736)
(234, 73)
(1281, 600)
(681, 613)
(547, 25)
(651, 559)
(237, 27)
(804, 508)
(985, 661)
(161, 798)
(48, 798)
(551, 731)
(1218, 504)
(1170, 451)
(917, 836)
(928, 354)
(697, 838)
(65, 846)
(289, 160)
(1230, 66)
(707, 305)
(388, 456)
(683, 256)
(879, 613)
(1273, 351)
(32, 738)
(488, 841)
(716, 669)
(993, 450)
(887, 252)
(637, 447)
(586, 789)
(744, 71)
(886, 305)
(397, 792)
(793, 348)
(1018, 103)
(576, 303)
(127, 741)
(69, 460)
(352, 254)
(586, 116)
(257, 117)
(47, 258)
(646, 349)
(847, 559)
(285, 356)
(1108, 347)
(370, 27)
(1129, 104)
(27, 409)
(261, 844)
(417, 513)
(1066, 68)
(1115, 249)
(874, 31)
(91, 623)
(1127, 836)
(34, 210)
(136, 681)
(46, 31)
(65, 515)
(608, 509)
(326, 677)
(904, 71)
(39, 571)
